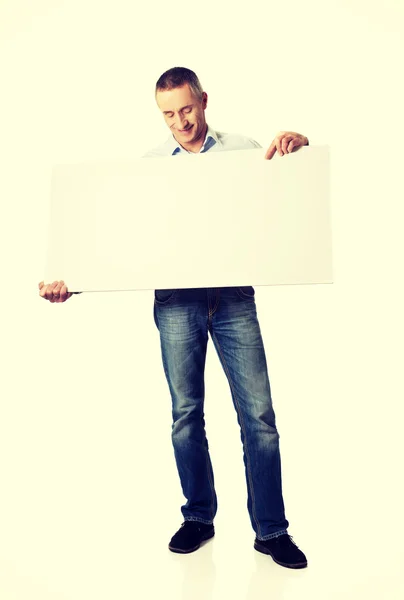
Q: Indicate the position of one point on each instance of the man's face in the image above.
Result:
(184, 114)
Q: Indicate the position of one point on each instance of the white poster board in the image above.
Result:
(208, 220)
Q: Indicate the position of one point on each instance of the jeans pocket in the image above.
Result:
(164, 297)
(246, 292)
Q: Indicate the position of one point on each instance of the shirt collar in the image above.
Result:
(211, 138)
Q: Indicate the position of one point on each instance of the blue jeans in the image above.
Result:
(184, 317)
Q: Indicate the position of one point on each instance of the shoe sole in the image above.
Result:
(205, 537)
(265, 550)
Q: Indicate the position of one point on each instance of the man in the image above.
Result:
(184, 317)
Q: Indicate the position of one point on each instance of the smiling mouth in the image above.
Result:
(185, 130)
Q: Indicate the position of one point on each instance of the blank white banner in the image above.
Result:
(206, 220)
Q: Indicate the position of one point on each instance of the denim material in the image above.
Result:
(185, 318)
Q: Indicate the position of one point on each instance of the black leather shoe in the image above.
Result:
(283, 550)
(190, 535)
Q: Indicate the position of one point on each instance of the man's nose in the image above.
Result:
(181, 123)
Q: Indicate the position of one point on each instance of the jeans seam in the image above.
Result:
(212, 488)
(211, 311)
(243, 429)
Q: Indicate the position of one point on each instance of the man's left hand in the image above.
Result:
(285, 143)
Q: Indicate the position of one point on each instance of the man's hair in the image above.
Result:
(177, 77)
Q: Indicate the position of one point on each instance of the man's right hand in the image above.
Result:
(54, 292)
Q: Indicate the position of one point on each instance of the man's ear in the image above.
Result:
(204, 100)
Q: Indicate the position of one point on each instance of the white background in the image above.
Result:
(89, 490)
